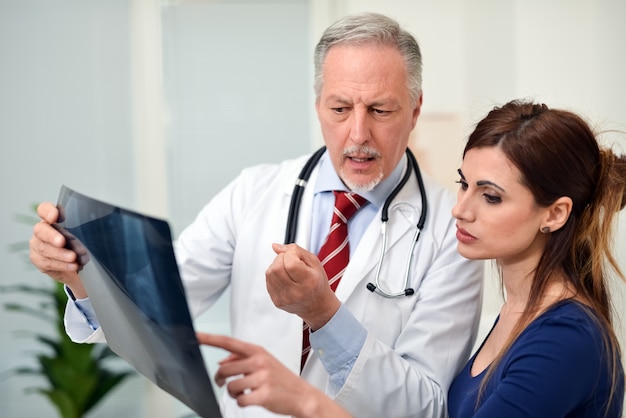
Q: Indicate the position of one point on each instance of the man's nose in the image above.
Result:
(360, 129)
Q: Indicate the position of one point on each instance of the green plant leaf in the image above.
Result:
(35, 312)
(17, 247)
(65, 405)
(68, 379)
(23, 288)
(53, 344)
(19, 371)
(105, 353)
(26, 219)
(106, 382)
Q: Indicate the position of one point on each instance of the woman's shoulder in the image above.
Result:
(569, 317)
(569, 311)
(569, 330)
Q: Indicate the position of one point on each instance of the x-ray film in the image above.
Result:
(130, 273)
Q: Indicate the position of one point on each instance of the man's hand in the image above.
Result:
(48, 252)
(297, 283)
(254, 377)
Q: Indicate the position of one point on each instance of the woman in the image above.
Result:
(539, 196)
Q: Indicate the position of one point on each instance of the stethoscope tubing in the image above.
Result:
(296, 199)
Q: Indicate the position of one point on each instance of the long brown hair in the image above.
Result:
(558, 155)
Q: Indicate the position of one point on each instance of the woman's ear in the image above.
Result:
(558, 213)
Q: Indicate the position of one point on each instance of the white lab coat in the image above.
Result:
(415, 344)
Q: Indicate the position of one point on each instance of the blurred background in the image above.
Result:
(155, 105)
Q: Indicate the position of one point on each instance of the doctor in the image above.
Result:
(388, 341)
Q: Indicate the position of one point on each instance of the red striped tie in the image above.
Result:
(335, 253)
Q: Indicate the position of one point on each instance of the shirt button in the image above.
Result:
(320, 352)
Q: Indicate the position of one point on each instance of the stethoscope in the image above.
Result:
(296, 199)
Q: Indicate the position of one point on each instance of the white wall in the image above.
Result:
(65, 118)
(236, 87)
(99, 95)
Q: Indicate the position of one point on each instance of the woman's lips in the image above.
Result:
(463, 236)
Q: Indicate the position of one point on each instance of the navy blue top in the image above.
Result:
(558, 367)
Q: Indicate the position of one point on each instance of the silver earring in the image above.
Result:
(545, 229)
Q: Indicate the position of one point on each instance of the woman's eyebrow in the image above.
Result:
(482, 182)
(489, 183)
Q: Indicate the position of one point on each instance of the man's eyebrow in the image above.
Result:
(334, 98)
(337, 99)
(381, 103)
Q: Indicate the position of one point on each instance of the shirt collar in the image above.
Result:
(328, 180)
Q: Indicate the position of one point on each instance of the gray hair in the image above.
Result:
(371, 28)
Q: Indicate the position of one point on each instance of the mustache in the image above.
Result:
(361, 149)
